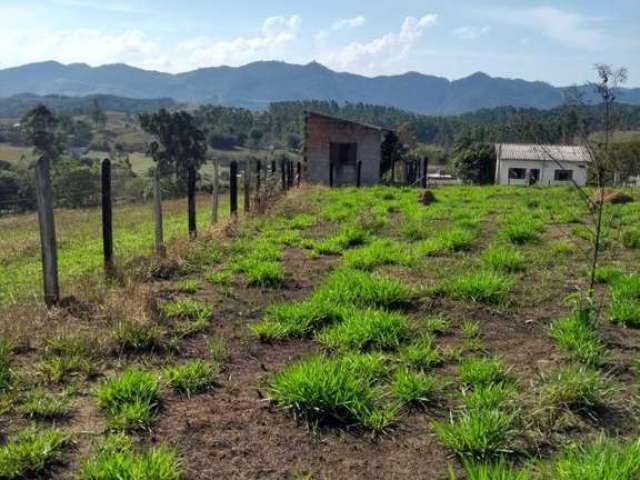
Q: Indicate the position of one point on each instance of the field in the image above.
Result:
(79, 234)
(344, 334)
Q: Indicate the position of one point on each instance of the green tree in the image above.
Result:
(41, 129)
(475, 163)
(98, 116)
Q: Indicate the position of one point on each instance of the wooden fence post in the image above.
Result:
(273, 168)
(215, 191)
(258, 182)
(157, 211)
(425, 172)
(359, 173)
(291, 170)
(107, 218)
(283, 172)
(191, 202)
(247, 186)
(331, 174)
(47, 233)
(299, 173)
(233, 188)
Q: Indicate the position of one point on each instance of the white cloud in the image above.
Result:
(569, 28)
(276, 34)
(383, 52)
(471, 33)
(339, 25)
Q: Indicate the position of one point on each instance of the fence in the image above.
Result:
(128, 228)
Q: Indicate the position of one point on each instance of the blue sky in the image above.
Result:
(554, 41)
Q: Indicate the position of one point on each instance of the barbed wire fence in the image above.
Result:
(135, 216)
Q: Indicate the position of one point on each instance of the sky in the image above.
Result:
(554, 41)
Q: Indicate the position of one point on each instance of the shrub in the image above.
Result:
(631, 238)
(376, 254)
(130, 400)
(422, 354)
(329, 390)
(195, 376)
(604, 459)
(352, 287)
(365, 329)
(118, 460)
(41, 406)
(31, 452)
(504, 259)
(479, 434)
(295, 320)
(573, 388)
(482, 372)
(484, 286)
(577, 335)
(411, 387)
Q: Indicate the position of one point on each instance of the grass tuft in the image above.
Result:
(377, 254)
(578, 336)
(413, 388)
(193, 377)
(484, 286)
(504, 259)
(129, 400)
(573, 388)
(41, 406)
(31, 452)
(483, 372)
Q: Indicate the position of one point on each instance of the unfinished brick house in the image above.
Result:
(335, 149)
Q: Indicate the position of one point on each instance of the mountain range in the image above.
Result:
(258, 84)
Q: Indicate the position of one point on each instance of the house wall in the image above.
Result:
(547, 171)
(320, 132)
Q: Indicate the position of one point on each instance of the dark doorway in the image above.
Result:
(534, 176)
(344, 158)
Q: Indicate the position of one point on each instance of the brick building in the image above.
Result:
(335, 149)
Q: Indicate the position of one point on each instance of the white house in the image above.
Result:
(518, 164)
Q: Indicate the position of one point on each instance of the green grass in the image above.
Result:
(484, 286)
(453, 240)
(119, 460)
(413, 388)
(478, 434)
(264, 274)
(624, 307)
(437, 324)
(193, 377)
(42, 406)
(295, 320)
(490, 396)
(130, 400)
(573, 388)
(504, 258)
(366, 329)
(136, 336)
(497, 470)
(631, 238)
(377, 254)
(189, 286)
(31, 452)
(187, 308)
(329, 391)
(353, 287)
(521, 230)
(6, 375)
(603, 459)
(422, 354)
(482, 372)
(578, 336)
(349, 237)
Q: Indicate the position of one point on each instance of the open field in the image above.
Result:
(79, 235)
(345, 334)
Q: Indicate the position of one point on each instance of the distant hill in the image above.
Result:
(258, 84)
(17, 105)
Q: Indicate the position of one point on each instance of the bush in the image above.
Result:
(130, 400)
(195, 376)
(30, 453)
(365, 329)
